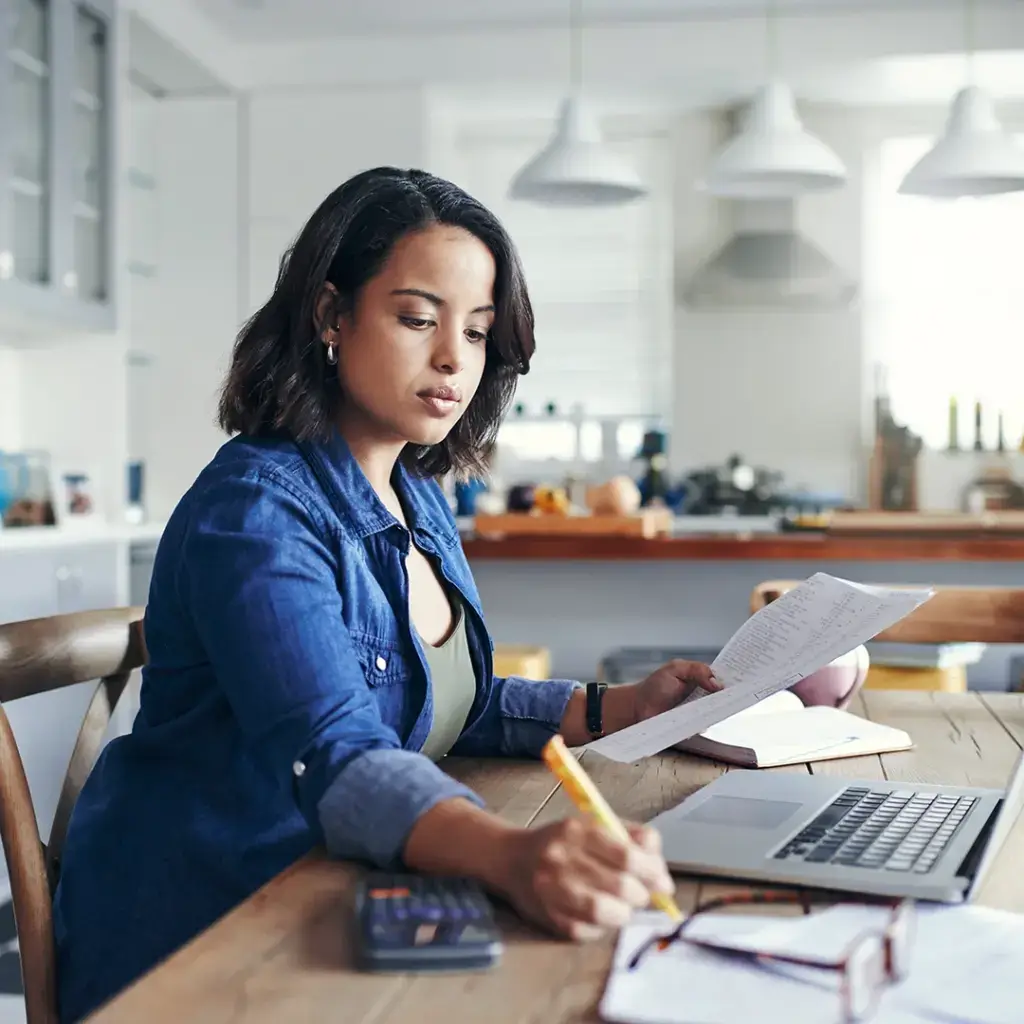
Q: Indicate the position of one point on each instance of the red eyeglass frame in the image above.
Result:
(898, 909)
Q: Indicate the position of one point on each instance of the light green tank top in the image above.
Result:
(453, 682)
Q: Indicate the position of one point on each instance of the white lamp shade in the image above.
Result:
(974, 157)
(575, 168)
(773, 156)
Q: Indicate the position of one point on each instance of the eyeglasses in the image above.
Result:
(871, 960)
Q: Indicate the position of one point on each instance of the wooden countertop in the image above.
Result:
(285, 954)
(779, 547)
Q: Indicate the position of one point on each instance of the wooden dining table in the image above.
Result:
(286, 955)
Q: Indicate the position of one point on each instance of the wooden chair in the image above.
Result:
(990, 615)
(36, 656)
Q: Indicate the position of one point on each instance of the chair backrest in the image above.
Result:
(36, 656)
(991, 615)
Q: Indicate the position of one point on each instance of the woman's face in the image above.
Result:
(411, 353)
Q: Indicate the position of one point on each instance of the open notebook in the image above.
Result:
(781, 730)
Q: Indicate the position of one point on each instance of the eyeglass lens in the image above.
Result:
(901, 936)
(865, 975)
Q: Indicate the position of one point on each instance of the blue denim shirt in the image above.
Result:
(284, 704)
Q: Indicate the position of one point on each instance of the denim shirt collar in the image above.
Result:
(354, 497)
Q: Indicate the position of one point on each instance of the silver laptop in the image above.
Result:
(901, 839)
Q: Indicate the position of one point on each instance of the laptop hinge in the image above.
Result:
(969, 866)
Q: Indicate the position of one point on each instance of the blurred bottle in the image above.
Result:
(954, 425)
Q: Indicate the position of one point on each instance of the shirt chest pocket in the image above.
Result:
(382, 662)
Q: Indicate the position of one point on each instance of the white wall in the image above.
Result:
(10, 400)
(186, 317)
(787, 390)
(236, 180)
(73, 394)
(301, 146)
(783, 388)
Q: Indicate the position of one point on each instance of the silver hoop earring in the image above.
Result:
(332, 354)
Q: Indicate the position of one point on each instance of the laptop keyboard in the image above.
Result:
(885, 830)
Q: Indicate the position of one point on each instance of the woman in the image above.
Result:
(315, 638)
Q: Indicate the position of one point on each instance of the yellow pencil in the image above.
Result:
(586, 796)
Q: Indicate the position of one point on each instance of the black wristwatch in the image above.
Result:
(595, 709)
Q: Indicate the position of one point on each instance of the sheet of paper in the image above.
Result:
(688, 985)
(819, 620)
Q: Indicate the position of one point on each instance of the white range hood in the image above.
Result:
(767, 262)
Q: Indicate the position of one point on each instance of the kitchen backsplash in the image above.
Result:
(10, 404)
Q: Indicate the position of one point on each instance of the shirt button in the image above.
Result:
(381, 663)
(299, 769)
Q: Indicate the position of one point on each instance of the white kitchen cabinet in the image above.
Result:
(58, 93)
(40, 583)
(141, 562)
(86, 577)
(27, 585)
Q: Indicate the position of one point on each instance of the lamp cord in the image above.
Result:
(771, 24)
(970, 38)
(575, 45)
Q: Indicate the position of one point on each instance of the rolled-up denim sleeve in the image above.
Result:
(260, 580)
(521, 716)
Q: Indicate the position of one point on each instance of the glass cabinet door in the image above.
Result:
(89, 155)
(29, 141)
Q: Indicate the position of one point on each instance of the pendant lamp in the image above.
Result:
(575, 168)
(773, 156)
(974, 156)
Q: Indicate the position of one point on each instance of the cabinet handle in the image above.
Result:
(70, 281)
(6, 265)
(63, 573)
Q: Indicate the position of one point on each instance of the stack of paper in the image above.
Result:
(965, 968)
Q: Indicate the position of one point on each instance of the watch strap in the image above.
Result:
(595, 709)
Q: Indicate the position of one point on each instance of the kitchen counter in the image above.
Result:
(746, 547)
(30, 538)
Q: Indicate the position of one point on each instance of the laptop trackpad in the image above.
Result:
(742, 812)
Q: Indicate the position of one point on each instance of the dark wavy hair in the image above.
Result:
(279, 380)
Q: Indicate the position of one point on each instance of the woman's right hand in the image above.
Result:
(574, 879)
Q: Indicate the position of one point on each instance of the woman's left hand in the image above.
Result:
(670, 685)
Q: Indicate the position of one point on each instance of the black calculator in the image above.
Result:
(407, 922)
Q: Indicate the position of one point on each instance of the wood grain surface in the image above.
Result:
(285, 954)
(780, 546)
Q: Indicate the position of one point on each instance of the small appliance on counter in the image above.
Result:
(738, 488)
(734, 488)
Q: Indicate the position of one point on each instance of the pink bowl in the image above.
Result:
(836, 683)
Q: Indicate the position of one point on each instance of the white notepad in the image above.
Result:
(688, 985)
(964, 967)
(781, 730)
